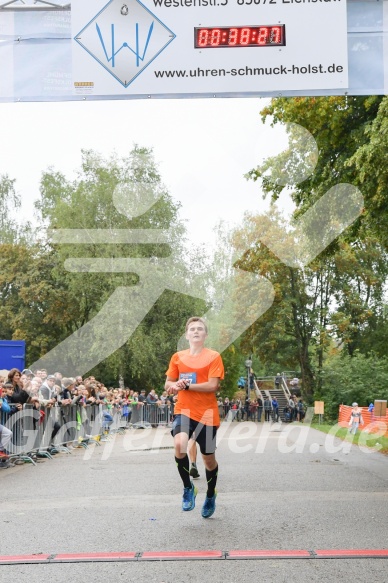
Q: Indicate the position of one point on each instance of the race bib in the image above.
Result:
(189, 376)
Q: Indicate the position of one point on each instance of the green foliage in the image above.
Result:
(341, 125)
(369, 164)
(9, 205)
(113, 194)
(232, 364)
(361, 378)
(43, 303)
(293, 327)
(339, 297)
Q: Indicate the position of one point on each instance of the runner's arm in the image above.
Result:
(175, 385)
(210, 386)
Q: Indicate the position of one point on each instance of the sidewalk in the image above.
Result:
(280, 487)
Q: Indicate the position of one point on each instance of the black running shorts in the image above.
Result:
(204, 435)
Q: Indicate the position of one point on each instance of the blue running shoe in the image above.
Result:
(209, 506)
(188, 501)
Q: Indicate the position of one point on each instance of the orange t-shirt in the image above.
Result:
(199, 368)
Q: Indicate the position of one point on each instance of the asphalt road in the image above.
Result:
(279, 487)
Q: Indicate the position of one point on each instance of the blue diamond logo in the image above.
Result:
(124, 38)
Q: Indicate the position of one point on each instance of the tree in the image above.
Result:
(9, 204)
(361, 378)
(360, 270)
(369, 164)
(288, 331)
(109, 195)
(340, 125)
(340, 292)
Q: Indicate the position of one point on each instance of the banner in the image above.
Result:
(123, 49)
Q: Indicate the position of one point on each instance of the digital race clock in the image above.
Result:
(240, 36)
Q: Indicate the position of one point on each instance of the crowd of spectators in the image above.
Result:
(254, 409)
(294, 410)
(43, 391)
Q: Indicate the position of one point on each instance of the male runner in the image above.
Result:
(194, 375)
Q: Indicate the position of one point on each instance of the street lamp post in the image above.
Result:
(248, 364)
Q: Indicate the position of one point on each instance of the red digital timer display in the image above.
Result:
(240, 36)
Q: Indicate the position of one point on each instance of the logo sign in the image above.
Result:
(124, 39)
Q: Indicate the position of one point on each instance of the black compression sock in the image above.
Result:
(211, 478)
(183, 465)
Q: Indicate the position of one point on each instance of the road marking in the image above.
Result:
(203, 555)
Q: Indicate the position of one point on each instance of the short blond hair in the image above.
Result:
(195, 319)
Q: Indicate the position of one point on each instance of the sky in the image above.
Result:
(203, 148)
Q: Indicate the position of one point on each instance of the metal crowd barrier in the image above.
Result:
(146, 415)
(228, 414)
(46, 430)
(41, 432)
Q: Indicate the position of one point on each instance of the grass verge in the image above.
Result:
(376, 442)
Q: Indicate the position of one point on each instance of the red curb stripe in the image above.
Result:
(268, 554)
(78, 557)
(24, 558)
(160, 556)
(352, 553)
(187, 555)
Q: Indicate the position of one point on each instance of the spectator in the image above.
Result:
(355, 418)
(152, 400)
(220, 406)
(24, 379)
(28, 372)
(259, 409)
(152, 397)
(14, 376)
(267, 408)
(102, 393)
(371, 408)
(47, 394)
(300, 410)
(5, 435)
(19, 396)
(47, 398)
(275, 409)
(239, 410)
(65, 395)
(58, 379)
(171, 403)
(278, 380)
(253, 410)
(295, 411)
(226, 406)
(164, 397)
(8, 392)
(246, 411)
(241, 383)
(291, 405)
(287, 414)
(36, 382)
(70, 391)
(252, 378)
(233, 409)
